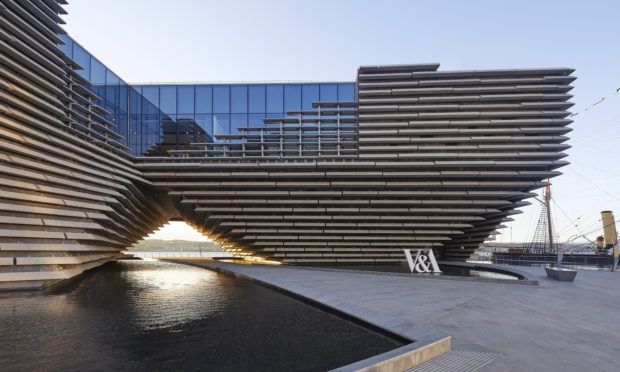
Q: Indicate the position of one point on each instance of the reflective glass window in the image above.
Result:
(185, 94)
(256, 102)
(83, 59)
(292, 97)
(203, 99)
(67, 47)
(168, 99)
(112, 94)
(135, 102)
(329, 92)
(111, 78)
(346, 92)
(239, 99)
(186, 131)
(168, 132)
(122, 104)
(238, 121)
(97, 72)
(309, 94)
(122, 128)
(151, 93)
(221, 98)
(221, 124)
(275, 93)
(256, 120)
(205, 122)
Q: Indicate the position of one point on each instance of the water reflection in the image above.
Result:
(167, 295)
(137, 315)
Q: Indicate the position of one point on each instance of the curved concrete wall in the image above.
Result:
(70, 199)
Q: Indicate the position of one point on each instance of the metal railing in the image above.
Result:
(580, 261)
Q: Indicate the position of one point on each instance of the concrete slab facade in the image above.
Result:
(420, 159)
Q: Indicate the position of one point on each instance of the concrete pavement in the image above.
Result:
(555, 326)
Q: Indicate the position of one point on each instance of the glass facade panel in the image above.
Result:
(204, 99)
(97, 72)
(221, 125)
(309, 94)
(346, 92)
(168, 99)
(169, 138)
(221, 99)
(185, 104)
(292, 97)
(238, 121)
(329, 92)
(238, 99)
(256, 120)
(82, 57)
(256, 103)
(275, 98)
(67, 47)
(151, 93)
(205, 121)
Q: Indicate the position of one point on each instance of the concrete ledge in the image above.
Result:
(436, 277)
(400, 359)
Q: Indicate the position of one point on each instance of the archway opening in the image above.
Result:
(179, 240)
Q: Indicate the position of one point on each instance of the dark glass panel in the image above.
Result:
(186, 131)
(275, 98)
(309, 94)
(329, 92)
(134, 135)
(239, 99)
(122, 103)
(168, 99)
(168, 133)
(256, 102)
(204, 99)
(150, 134)
(221, 98)
(185, 99)
(346, 92)
(292, 97)
(82, 58)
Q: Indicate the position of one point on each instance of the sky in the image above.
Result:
(190, 41)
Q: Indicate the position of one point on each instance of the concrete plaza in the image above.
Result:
(555, 326)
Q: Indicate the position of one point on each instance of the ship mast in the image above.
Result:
(548, 207)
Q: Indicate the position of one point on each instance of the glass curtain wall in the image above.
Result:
(154, 119)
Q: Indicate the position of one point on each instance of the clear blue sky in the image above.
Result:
(199, 40)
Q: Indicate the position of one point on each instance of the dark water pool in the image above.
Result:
(148, 315)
